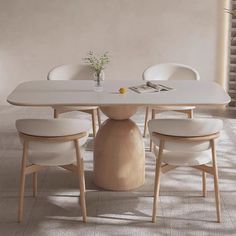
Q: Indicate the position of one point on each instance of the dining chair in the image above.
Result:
(48, 143)
(185, 142)
(74, 72)
(168, 71)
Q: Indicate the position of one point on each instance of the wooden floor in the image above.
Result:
(182, 210)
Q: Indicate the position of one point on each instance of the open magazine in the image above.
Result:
(150, 87)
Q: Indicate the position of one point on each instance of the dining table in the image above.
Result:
(118, 154)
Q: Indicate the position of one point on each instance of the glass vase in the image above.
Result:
(98, 86)
(99, 80)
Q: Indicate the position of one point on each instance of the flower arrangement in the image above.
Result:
(97, 63)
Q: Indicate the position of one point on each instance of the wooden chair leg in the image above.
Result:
(190, 113)
(157, 181)
(35, 184)
(99, 117)
(153, 117)
(145, 122)
(94, 122)
(81, 180)
(204, 191)
(216, 185)
(55, 113)
(82, 169)
(22, 182)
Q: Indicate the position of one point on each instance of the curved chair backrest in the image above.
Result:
(179, 129)
(170, 71)
(37, 130)
(70, 72)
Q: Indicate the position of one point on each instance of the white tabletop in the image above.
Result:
(80, 92)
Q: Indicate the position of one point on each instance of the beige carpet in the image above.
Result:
(182, 210)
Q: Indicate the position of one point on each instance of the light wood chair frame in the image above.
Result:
(154, 111)
(27, 169)
(93, 112)
(163, 168)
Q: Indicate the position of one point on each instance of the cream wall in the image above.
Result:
(36, 35)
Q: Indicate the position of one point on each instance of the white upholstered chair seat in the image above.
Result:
(185, 158)
(50, 158)
(185, 127)
(178, 146)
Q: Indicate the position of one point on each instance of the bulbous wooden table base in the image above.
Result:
(119, 156)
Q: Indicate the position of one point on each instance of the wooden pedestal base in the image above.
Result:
(119, 157)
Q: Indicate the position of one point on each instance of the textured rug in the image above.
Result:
(182, 210)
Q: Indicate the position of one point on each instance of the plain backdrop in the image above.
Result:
(36, 35)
